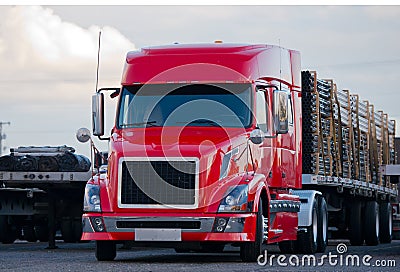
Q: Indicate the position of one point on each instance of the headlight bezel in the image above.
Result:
(91, 200)
(237, 196)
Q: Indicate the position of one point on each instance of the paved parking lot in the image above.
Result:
(23, 256)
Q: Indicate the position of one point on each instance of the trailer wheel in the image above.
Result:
(356, 230)
(249, 251)
(322, 218)
(385, 222)
(371, 223)
(307, 241)
(8, 233)
(106, 250)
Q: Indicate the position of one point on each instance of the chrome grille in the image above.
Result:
(158, 182)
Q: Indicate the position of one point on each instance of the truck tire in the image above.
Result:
(8, 233)
(371, 223)
(71, 229)
(385, 222)
(307, 241)
(249, 251)
(106, 250)
(322, 218)
(356, 230)
(29, 233)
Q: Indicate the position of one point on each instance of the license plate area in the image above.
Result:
(168, 235)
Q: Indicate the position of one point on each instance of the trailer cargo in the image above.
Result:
(217, 144)
(41, 192)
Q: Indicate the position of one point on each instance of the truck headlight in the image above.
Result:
(235, 200)
(91, 200)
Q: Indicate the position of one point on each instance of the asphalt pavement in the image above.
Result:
(340, 256)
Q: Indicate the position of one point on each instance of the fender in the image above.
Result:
(307, 198)
(257, 184)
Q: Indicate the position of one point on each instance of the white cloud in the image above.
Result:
(48, 73)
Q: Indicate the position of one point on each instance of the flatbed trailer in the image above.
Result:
(34, 205)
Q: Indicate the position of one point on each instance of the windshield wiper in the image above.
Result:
(148, 124)
(201, 121)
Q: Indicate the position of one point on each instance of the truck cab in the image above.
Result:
(205, 151)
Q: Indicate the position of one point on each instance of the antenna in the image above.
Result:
(98, 62)
(280, 64)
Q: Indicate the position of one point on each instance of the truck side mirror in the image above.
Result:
(98, 114)
(281, 99)
(257, 136)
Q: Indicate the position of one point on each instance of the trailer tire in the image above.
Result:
(106, 250)
(371, 223)
(322, 234)
(8, 233)
(249, 251)
(356, 230)
(385, 222)
(307, 241)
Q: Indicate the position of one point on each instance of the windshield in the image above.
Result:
(224, 105)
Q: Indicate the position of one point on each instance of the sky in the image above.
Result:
(49, 53)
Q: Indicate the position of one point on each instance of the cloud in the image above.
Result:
(48, 73)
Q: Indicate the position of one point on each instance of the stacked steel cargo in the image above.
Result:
(342, 135)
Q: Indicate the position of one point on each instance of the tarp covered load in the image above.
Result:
(44, 159)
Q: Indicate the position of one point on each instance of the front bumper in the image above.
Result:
(238, 228)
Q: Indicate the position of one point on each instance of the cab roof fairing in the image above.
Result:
(209, 63)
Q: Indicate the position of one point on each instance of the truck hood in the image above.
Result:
(207, 145)
(176, 141)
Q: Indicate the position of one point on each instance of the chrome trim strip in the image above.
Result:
(197, 186)
(206, 223)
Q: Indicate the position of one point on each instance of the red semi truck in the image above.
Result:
(206, 151)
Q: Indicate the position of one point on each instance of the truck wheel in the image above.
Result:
(385, 222)
(29, 233)
(8, 233)
(287, 247)
(71, 229)
(307, 241)
(356, 230)
(106, 250)
(249, 251)
(371, 223)
(322, 218)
